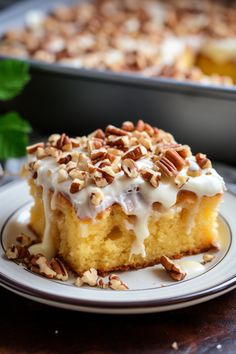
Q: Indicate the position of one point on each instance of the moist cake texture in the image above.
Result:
(178, 39)
(121, 198)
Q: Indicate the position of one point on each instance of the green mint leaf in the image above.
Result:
(13, 121)
(14, 75)
(13, 135)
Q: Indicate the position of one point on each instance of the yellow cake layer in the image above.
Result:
(105, 243)
(210, 67)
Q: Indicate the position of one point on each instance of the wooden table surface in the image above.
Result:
(30, 327)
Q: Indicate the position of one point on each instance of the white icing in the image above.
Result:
(34, 19)
(191, 267)
(46, 247)
(171, 49)
(220, 50)
(135, 196)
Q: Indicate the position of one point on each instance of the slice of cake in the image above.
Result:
(121, 198)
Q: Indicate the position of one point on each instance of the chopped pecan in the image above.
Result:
(39, 264)
(52, 151)
(64, 159)
(175, 158)
(103, 176)
(101, 284)
(24, 240)
(77, 173)
(162, 147)
(99, 133)
(64, 143)
(203, 161)
(133, 141)
(115, 152)
(104, 163)
(59, 268)
(90, 277)
(135, 153)
(33, 168)
(146, 142)
(184, 151)
(95, 143)
(62, 175)
(155, 131)
(167, 167)
(53, 139)
(180, 180)
(140, 125)
(111, 129)
(173, 269)
(116, 283)
(98, 155)
(151, 176)
(33, 148)
(40, 153)
(77, 185)
(75, 142)
(83, 162)
(130, 168)
(79, 282)
(128, 126)
(96, 196)
(149, 129)
(207, 258)
(120, 142)
(17, 252)
(70, 166)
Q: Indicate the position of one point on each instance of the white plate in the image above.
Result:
(146, 294)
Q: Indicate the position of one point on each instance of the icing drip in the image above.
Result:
(46, 247)
(191, 221)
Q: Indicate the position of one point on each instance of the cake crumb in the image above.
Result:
(219, 346)
(175, 346)
(79, 282)
(206, 258)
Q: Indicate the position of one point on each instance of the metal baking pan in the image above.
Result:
(77, 101)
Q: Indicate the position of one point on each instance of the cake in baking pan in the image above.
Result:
(121, 198)
(184, 40)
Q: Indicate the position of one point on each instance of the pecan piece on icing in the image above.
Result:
(111, 129)
(33, 148)
(153, 177)
(77, 185)
(64, 143)
(103, 176)
(96, 196)
(175, 158)
(128, 126)
(140, 125)
(135, 153)
(130, 168)
(203, 161)
(98, 155)
(167, 167)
